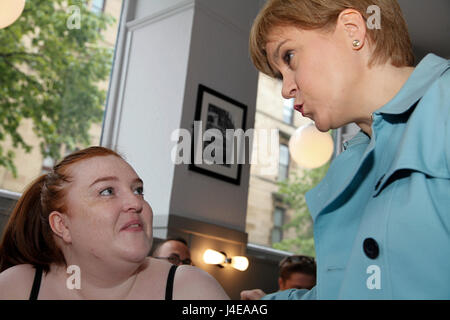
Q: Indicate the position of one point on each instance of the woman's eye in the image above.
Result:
(288, 57)
(139, 191)
(107, 192)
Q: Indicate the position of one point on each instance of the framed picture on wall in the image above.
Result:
(216, 150)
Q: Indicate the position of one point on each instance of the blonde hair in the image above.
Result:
(392, 41)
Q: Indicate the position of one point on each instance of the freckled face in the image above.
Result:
(318, 70)
(108, 216)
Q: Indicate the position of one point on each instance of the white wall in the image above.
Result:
(220, 60)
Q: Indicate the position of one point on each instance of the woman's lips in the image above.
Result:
(299, 108)
(133, 225)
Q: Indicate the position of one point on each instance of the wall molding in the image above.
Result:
(10, 194)
(160, 15)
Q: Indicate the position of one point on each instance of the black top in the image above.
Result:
(169, 285)
(36, 283)
(38, 277)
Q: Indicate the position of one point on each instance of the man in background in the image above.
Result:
(174, 250)
(296, 272)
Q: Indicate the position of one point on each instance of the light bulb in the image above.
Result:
(311, 148)
(239, 263)
(213, 257)
(10, 11)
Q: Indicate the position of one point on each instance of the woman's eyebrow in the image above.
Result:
(276, 54)
(114, 178)
(109, 178)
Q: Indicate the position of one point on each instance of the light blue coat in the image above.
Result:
(394, 189)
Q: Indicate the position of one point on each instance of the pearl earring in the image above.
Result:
(356, 43)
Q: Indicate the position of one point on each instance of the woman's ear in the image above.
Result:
(59, 224)
(352, 23)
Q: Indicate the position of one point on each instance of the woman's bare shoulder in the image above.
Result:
(16, 282)
(192, 283)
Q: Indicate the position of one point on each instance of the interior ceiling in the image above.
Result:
(429, 26)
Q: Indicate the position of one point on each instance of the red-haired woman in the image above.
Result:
(90, 212)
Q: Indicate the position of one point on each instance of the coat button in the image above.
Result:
(371, 249)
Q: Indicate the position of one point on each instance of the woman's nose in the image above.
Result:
(133, 202)
(289, 88)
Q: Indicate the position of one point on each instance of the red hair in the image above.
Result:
(28, 237)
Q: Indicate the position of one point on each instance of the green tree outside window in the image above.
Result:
(50, 71)
(292, 192)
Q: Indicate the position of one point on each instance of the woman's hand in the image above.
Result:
(255, 294)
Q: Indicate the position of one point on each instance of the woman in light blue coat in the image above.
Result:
(382, 213)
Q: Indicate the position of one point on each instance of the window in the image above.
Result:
(278, 221)
(56, 82)
(283, 169)
(288, 110)
(97, 6)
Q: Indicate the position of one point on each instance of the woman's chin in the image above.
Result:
(136, 252)
(137, 256)
(322, 127)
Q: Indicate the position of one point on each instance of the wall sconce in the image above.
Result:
(311, 148)
(220, 258)
(10, 11)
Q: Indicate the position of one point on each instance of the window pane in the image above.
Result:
(97, 6)
(278, 217)
(283, 173)
(283, 170)
(288, 110)
(262, 219)
(284, 154)
(277, 235)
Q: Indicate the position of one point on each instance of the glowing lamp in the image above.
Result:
(311, 148)
(213, 257)
(240, 263)
(220, 258)
(10, 11)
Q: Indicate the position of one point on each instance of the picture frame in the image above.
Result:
(216, 112)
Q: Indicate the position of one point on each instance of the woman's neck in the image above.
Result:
(381, 84)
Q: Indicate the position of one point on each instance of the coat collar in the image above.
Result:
(329, 189)
(424, 75)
